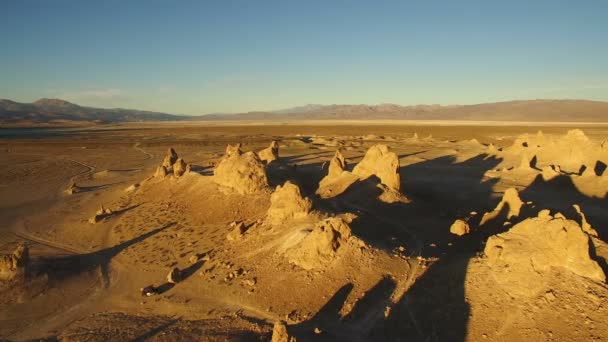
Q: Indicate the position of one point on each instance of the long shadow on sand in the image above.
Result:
(59, 268)
(435, 307)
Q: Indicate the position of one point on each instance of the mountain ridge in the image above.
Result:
(57, 112)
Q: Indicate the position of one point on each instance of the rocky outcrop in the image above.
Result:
(327, 240)
(243, 173)
(535, 247)
(337, 165)
(287, 203)
(179, 168)
(381, 162)
(569, 151)
(14, 265)
(271, 153)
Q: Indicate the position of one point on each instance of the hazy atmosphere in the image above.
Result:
(200, 57)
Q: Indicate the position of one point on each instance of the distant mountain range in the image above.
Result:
(54, 112)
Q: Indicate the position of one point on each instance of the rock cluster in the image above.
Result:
(378, 161)
(569, 151)
(172, 165)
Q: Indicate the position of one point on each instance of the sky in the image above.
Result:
(197, 57)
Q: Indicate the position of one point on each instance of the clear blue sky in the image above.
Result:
(198, 57)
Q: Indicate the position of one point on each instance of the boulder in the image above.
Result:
(460, 227)
(381, 162)
(287, 203)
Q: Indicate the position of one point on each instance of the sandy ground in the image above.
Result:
(410, 279)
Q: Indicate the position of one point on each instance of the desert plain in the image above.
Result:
(338, 231)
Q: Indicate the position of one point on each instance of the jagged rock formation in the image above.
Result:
(511, 199)
(172, 164)
(179, 168)
(584, 224)
(381, 162)
(244, 173)
(531, 249)
(13, 265)
(337, 165)
(271, 153)
(460, 227)
(569, 151)
(161, 172)
(287, 203)
(322, 245)
(170, 158)
(337, 179)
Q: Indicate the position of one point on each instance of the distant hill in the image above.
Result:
(529, 110)
(54, 112)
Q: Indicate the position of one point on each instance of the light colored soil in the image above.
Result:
(408, 279)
